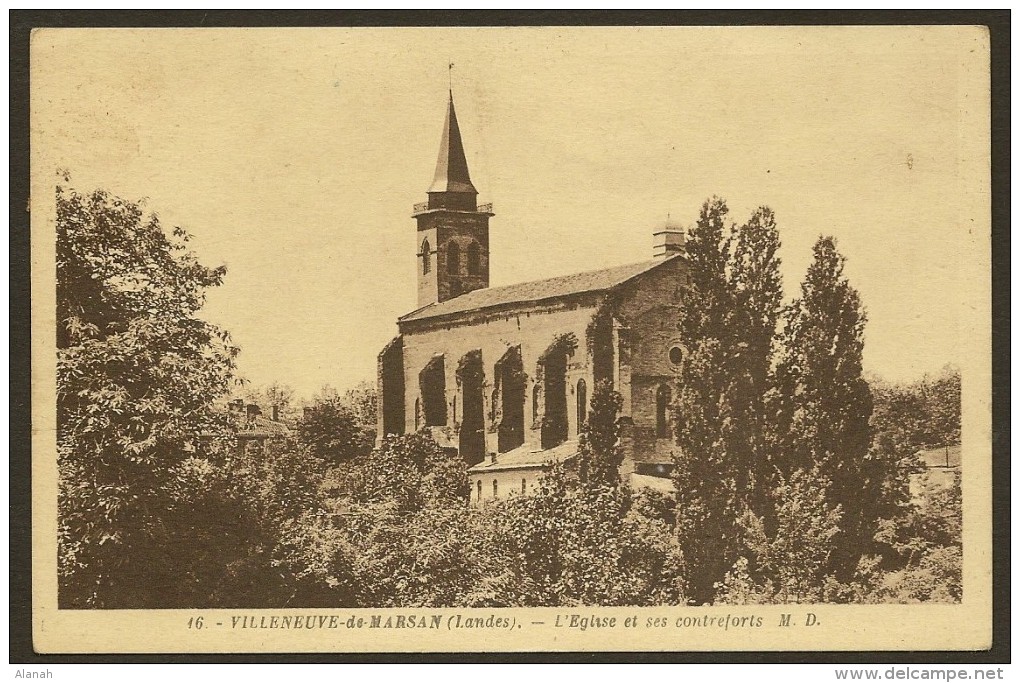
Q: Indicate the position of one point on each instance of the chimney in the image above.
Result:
(276, 413)
(253, 411)
(668, 239)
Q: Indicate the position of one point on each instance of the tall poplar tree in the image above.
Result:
(824, 403)
(704, 478)
(757, 304)
(727, 328)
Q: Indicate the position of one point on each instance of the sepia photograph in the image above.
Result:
(524, 338)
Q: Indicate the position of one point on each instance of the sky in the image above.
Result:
(294, 158)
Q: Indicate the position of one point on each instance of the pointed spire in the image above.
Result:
(451, 168)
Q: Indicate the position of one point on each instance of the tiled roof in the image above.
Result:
(526, 457)
(259, 428)
(644, 481)
(262, 427)
(537, 290)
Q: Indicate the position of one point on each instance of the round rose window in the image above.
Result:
(676, 355)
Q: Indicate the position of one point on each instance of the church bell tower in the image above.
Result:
(453, 229)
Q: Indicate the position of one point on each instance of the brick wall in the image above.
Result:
(649, 308)
(427, 288)
(441, 229)
(534, 330)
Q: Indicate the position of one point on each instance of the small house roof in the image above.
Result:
(644, 481)
(946, 456)
(257, 427)
(261, 427)
(527, 457)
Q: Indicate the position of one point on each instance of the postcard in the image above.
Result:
(511, 339)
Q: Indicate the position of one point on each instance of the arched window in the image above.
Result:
(479, 490)
(536, 392)
(474, 265)
(471, 378)
(508, 400)
(555, 404)
(663, 396)
(495, 489)
(452, 258)
(432, 388)
(417, 413)
(426, 257)
(582, 403)
(524, 486)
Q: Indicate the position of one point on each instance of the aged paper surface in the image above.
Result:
(232, 132)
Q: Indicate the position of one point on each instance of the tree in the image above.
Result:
(575, 543)
(363, 399)
(707, 502)
(410, 472)
(398, 532)
(942, 395)
(899, 426)
(828, 404)
(790, 563)
(757, 304)
(241, 514)
(727, 328)
(599, 453)
(906, 419)
(930, 541)
(137, 373)
(919, 415)
(899, 419)
(332, 431)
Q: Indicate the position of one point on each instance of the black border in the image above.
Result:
(23, 21)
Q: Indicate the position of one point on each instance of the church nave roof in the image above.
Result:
(536, 290)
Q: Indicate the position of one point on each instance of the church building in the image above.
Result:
(503, 375)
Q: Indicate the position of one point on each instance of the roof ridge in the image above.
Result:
(649, 263)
